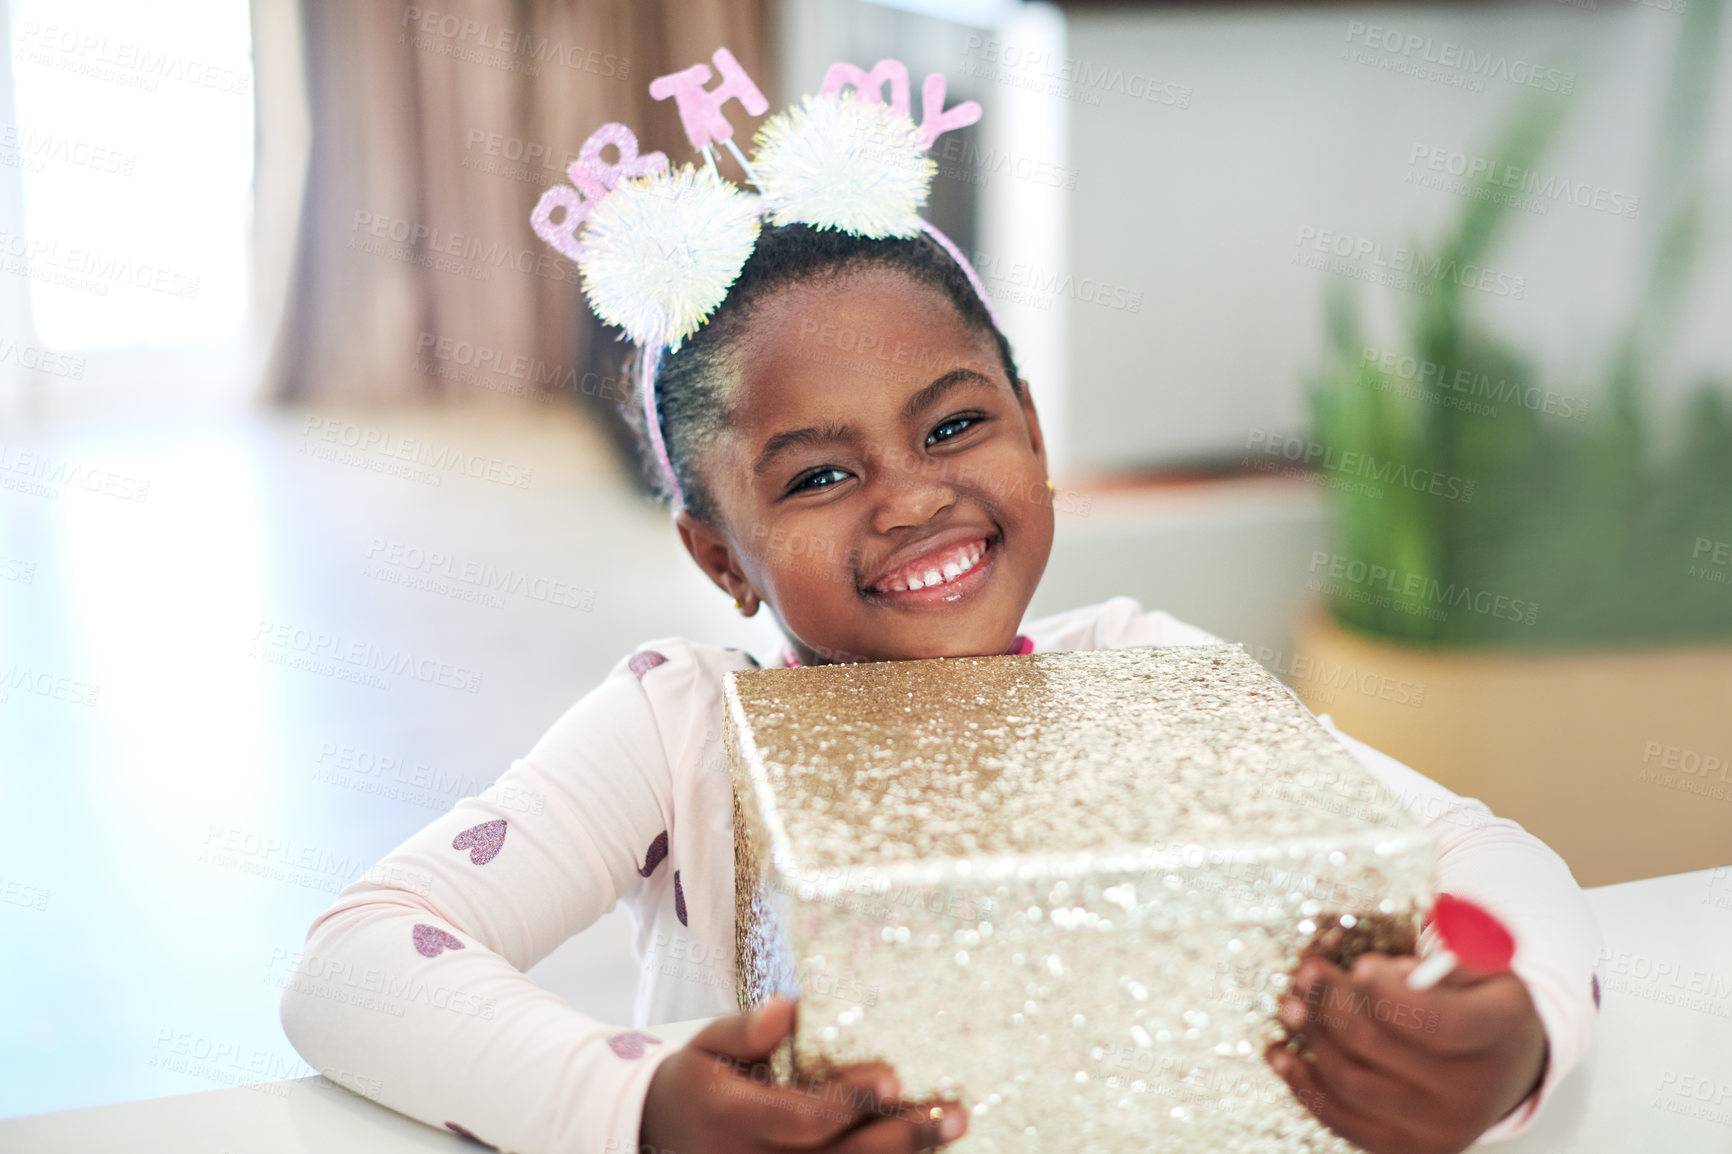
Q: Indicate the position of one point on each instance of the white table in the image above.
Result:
(1659, 1078)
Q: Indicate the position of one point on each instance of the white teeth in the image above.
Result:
(951, 571)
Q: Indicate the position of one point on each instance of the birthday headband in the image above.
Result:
(659, 247)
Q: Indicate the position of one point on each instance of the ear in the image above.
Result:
(715, 556)
(1036, 439)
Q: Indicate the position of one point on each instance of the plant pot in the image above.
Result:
(1621, 761)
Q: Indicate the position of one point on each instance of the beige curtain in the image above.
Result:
(434, 128)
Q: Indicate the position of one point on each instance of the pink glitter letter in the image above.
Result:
(700, 107)
(870, 85)
(562, 236)
(594, 178)
(590, 169)
(934, 119)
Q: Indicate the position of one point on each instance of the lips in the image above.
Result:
(938, 563)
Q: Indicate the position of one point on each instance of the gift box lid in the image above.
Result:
(973, 764)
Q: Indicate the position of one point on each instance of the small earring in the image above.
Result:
(1049, 486)
(736, 603)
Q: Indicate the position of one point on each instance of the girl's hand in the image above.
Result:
(704, 1100)
(1402, 1071)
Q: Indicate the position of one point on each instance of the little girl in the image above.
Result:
(886, 502)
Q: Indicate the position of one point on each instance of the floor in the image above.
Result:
(145, 719)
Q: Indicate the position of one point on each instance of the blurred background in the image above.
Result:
(1389, 341)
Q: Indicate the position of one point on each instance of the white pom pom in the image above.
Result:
(660, 252)
(839, 162)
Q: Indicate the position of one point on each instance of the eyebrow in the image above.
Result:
(829, 434)
(954, 379)
(794, 438)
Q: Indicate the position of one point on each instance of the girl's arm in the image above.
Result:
(411, 988)
(1498, 864)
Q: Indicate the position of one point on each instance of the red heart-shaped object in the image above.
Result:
(658, 853)
(631, 1045)
(431, 941)
(455, 1128)
(643, 661)
(482, 841)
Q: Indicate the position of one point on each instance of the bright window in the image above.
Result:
(133, 138)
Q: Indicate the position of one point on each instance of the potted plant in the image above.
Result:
(1550, 578)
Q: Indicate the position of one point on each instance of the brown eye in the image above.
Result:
(818, 479)
(955, 424)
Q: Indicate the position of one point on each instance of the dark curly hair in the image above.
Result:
(691, 383)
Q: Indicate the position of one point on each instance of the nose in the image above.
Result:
(908, 493)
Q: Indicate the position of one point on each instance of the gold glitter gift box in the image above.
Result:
(1066, 888)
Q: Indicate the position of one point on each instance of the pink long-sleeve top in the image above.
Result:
(627, 800)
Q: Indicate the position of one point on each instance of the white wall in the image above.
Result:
(1231, 557)
(1200, 207)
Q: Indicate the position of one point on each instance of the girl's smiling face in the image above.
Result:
(880, 484)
